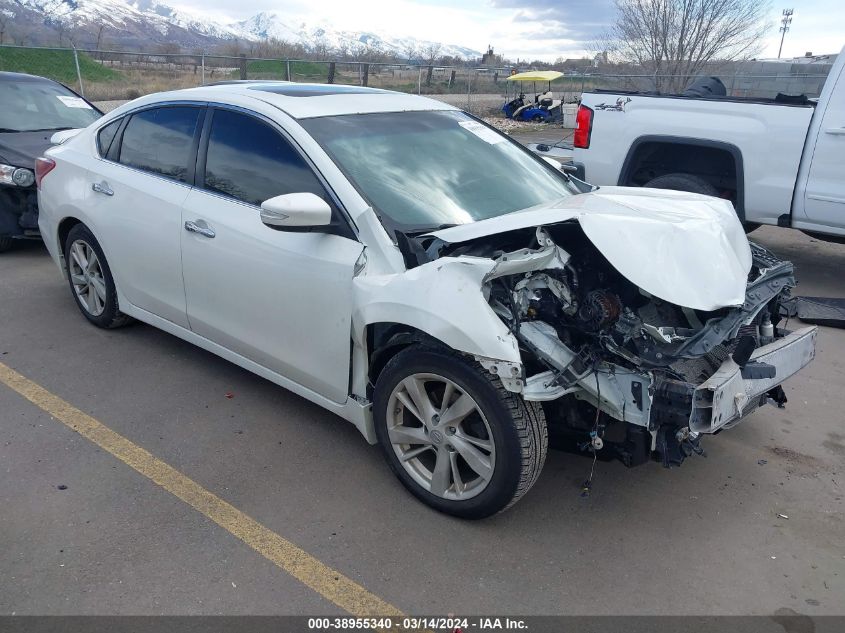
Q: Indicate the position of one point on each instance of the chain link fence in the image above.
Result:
(119, 75)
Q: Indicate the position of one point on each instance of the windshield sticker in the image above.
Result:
(73, 102)
(482, 131)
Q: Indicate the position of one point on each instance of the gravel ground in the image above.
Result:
(756, 528)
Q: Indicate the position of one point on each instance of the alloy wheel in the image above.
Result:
(86, 275)
(441, 436)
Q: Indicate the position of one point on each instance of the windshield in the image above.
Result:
(29, 106)
(421, 170)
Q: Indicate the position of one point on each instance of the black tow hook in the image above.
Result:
(778, 396)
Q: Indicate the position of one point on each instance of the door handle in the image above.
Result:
(205, 231)
(102, 187)
(835, 130)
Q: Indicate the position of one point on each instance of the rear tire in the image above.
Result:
(5, 243)
(492, 443)
(693, 184)
(90, 279)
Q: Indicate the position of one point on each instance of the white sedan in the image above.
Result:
(423, 276)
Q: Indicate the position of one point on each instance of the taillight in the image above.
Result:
(583, 127)
(43, 166)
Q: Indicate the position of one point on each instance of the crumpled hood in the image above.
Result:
(20, 149)
(684, 248)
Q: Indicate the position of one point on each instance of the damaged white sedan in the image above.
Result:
(411, 269)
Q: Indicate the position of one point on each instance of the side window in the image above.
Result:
(106, 135)
(160, 141)
(250, 161)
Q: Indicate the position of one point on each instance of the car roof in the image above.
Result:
(304, 101)
(18, 77)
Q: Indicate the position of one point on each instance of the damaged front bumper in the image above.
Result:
(649, 400)
(728, 396)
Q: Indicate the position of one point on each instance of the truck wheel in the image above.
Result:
(683, 182)
(693, 184)
(454, 436)
(5, 243)
(91, 281)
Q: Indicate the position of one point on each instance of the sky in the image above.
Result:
(519, 29)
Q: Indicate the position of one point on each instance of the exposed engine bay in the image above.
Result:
(622, 373)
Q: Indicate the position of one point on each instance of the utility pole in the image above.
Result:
(785, 21)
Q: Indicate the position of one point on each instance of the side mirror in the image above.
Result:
(293, 210)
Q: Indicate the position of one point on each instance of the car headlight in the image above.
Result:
(19, 176)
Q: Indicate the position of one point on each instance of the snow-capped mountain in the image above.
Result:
(264, 26)
(145, 23)
(46, 22)
(191, 22)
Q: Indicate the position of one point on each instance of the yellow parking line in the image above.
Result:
(332, 585)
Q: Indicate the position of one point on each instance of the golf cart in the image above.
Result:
(543, 108)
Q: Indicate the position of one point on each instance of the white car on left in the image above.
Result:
(424, 276)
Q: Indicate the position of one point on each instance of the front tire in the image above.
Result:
(454, 436)
(5, 243)
(90, 279)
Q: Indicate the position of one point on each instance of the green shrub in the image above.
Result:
(54, 64)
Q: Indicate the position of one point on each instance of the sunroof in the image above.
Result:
(300, 90)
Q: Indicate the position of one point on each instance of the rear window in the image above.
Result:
(160, 141)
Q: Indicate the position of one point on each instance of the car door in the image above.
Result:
(280, 298)
(824, 197)
(136, 195)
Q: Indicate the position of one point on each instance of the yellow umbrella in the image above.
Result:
(536, 75)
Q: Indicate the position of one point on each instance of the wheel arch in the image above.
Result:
(63, 230)
(442, 302)
(718, 162)
(385, 339)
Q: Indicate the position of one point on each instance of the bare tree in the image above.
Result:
(168, 48)
(411, 52)
(275, 48)
(4, 19)
(232, 48)
(100, 30)
(22, 37)
(343, 50)
(320, 48)
(677, 39)
(61, 27)
(430, 52)
(368, 52)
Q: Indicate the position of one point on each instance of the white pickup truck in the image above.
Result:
(780, 161)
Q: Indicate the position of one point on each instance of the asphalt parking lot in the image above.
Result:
(708, 538)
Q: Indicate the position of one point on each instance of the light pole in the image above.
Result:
(785, 21)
